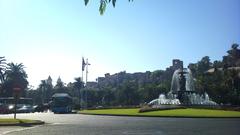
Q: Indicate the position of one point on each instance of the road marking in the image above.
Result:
(56, 123)
(143, 133)
(18, 130)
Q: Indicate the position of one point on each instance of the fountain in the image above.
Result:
(182, 92)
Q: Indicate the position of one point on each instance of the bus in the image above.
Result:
(61, 103)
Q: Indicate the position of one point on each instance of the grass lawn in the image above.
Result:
(17, 121)
(167, 113)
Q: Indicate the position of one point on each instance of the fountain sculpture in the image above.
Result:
(182, 92)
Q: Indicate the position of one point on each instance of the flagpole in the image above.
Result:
(83, 66)
(81, 100)
(86, 71)
(86, 81)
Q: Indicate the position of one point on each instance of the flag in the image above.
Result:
(83, 64)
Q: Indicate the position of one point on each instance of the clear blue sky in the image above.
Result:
(50, 36)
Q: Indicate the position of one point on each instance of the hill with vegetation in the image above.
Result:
(219, 78)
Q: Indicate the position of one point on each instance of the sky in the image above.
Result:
(50, 37)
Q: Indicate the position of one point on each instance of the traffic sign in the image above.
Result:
(17, 88)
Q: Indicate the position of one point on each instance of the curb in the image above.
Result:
(159, 116)
(36, 122)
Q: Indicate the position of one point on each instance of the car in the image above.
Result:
(38, 108)
(3, 109)
(99, 107)
(25, 109)
(10, 108)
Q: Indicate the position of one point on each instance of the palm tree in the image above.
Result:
(78, 84)
(59, 84)
(2, 68)
(103, 4)
(42, 88)
(15, 75)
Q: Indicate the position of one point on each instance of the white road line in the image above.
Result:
(18, 130)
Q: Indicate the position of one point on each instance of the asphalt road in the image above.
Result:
(77, 124)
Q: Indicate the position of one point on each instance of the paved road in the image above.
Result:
(76, 124)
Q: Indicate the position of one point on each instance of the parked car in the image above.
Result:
(3, 109)
(10, 108)
(25, 109)
(38, 108)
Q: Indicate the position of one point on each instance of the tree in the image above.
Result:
(155, 76)
(42, 88)
(92, 97)
(217, 64)
(59, 84)
(107, 96)
(49, 89)
(223, 84)
(127, 93)
(199, 73)
(49, 81)
(45, 90)
(233, 57)
(15, 75)
(232, 81)
(78, 84)
(204, 64)
(2, 68)
(103, 4)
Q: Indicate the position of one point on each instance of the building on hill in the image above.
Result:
(140, 77)
(176, 64)
(92, 85)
